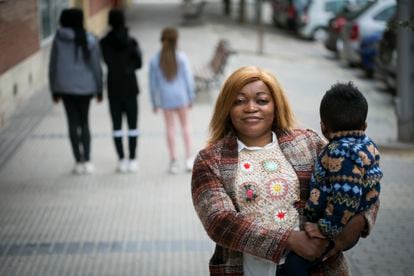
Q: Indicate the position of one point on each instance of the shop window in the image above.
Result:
(49, 15)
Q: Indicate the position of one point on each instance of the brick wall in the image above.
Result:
(97, 5)
(19, 32)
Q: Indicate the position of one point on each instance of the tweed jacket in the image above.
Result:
(215, 202)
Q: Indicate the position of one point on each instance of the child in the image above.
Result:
(346, 177)
(172, 90)
(123, 57)
(75, 76)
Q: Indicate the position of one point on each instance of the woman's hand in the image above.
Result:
(313, 231)
(303, 245)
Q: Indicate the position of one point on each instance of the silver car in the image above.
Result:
(313, 22)
(372, 19)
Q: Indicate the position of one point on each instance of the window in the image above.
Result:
(49, 16)
(335, 6)
(385, 14)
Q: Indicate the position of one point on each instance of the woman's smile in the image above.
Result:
(252, 120)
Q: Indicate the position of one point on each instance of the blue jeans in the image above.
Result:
(296, 265)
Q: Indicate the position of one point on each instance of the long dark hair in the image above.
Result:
(73, 18)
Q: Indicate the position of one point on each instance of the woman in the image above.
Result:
(75, 76)
(172, 90)
(250, 183)
(122, 56)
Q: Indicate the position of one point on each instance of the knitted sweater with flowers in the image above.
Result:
(346, 181)
(267, 188)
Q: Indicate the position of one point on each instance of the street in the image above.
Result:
(56, 223)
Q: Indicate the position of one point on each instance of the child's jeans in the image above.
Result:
(296, 265)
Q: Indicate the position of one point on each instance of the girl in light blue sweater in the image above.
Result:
(172, 90)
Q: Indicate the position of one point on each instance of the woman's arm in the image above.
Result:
(189, 79)
(153, 84)
(53, 67)
(96, 67)
(136, 54)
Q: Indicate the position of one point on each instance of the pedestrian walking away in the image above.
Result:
(75, 76)
(123, 57)
(250, 183)
(172, 90)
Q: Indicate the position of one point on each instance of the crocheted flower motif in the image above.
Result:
(278, 188)
(246, 166)
(280, 215)
(249, 190)
(270, 165)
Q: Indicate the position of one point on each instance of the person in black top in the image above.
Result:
(123, 57)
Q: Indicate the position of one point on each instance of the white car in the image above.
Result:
(372, 19)
(313, 22)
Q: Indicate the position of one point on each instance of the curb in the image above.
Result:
(393, 147)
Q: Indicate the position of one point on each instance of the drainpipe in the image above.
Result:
(405, 72)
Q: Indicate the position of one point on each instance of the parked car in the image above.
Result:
(373, 19)
(386, 59)
(313, 21)
(336, 23)
(285, 12)
(368, 51)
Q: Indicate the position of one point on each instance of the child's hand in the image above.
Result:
(312, 230)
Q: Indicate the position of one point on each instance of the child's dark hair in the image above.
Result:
(116, 18)
(73, 18)
(343, 107)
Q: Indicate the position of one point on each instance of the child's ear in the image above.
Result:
(365, 126)
(324, 130)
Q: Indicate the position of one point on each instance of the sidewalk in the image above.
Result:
(56, 223)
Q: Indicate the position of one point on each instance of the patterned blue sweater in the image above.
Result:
(345, 181)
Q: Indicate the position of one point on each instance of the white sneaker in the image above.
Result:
(132, 165)
(174, 168)
(122, 166)
(189, 164)
(78, 168)
(89, 168)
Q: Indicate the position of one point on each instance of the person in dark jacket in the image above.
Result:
(75, 76)
(123, 57)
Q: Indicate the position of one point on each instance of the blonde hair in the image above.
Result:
(220, 124)
(168, 61)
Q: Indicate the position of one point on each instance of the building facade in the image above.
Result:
(26, 31)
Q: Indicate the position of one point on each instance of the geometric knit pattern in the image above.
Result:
(267, 187)
(345, 181)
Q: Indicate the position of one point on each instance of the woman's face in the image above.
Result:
(252, 114)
